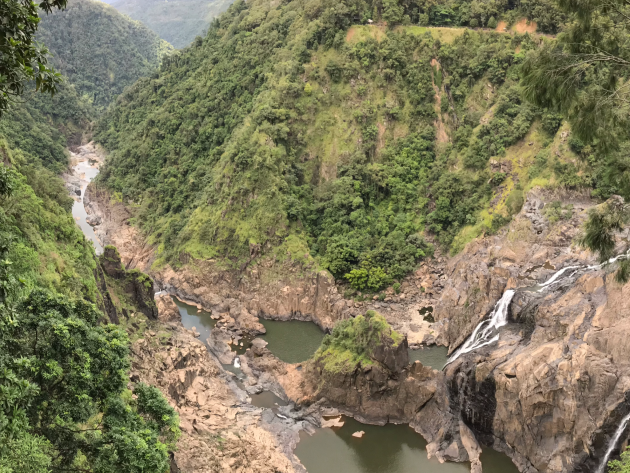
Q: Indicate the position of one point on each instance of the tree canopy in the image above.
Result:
(584, 75)
(64, 398)
(22, 59)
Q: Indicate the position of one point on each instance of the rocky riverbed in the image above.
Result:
(550, 393)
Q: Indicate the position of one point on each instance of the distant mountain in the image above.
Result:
(176, 21)
(100, 50)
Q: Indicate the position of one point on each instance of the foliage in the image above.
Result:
(511, 121)
(60, 371)
(99, 50)
(63, 376)
(555, 211)
(584, 75)
(22, 59)
(237, 144)
(352, 341)
(175, 21)
(368, 278)
(622, 465)
(42, 126)
(48, 248)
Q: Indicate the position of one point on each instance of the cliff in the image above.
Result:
(553, 389)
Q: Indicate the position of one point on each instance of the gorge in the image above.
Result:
(352, 235)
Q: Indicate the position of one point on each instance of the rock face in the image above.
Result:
(551, 392)
(220, 431)
(137, 285)
(105, 302)
(268, 289)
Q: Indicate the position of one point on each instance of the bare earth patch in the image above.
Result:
(502, 26)
(524, 26)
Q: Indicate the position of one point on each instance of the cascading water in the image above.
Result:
(485, 332)
(556, 277)
(613, 443)
(486, 328)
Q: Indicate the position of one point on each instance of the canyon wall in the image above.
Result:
(550, 393)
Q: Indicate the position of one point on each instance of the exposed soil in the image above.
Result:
(441, 135)
(524, 26)
(501, 26)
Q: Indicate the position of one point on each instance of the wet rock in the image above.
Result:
(219, 344)
(93, 220)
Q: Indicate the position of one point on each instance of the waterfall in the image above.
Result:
(498, 318)
(483, 331)
(556, 276)
(613, 443)
(482, 335)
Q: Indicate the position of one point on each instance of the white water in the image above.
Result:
(611, 260)
(555, 277)
(613, 444)
(485, 332)
(486, 328)
(237, 362)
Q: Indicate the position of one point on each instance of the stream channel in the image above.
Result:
(383, 449)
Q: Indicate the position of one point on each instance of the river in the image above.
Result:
(382, 449)
(85, 170)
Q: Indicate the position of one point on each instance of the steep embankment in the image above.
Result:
(325, 147)
(552, 391)
(176, 21)
(99, 50)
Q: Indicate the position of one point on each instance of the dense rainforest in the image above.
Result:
(99, 50)
(355, 136)
(98, 53)
(175, 21)
(65, 399)
(301, 127)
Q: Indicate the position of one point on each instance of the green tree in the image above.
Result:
(22, 59)
(64, 405)
(583, 75)
(622, 465)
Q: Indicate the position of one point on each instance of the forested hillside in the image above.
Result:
(64, 384)
(176, 21)
(42, 126)
(99, 50)
(288, 127)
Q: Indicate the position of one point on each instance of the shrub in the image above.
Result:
(555, 211)
(492, 23)
(368, 278)
(350, 342)
(551, 123)
(498, 178)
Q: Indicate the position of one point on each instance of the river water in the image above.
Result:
(86, 171)
(434, 356)
(383, 449)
